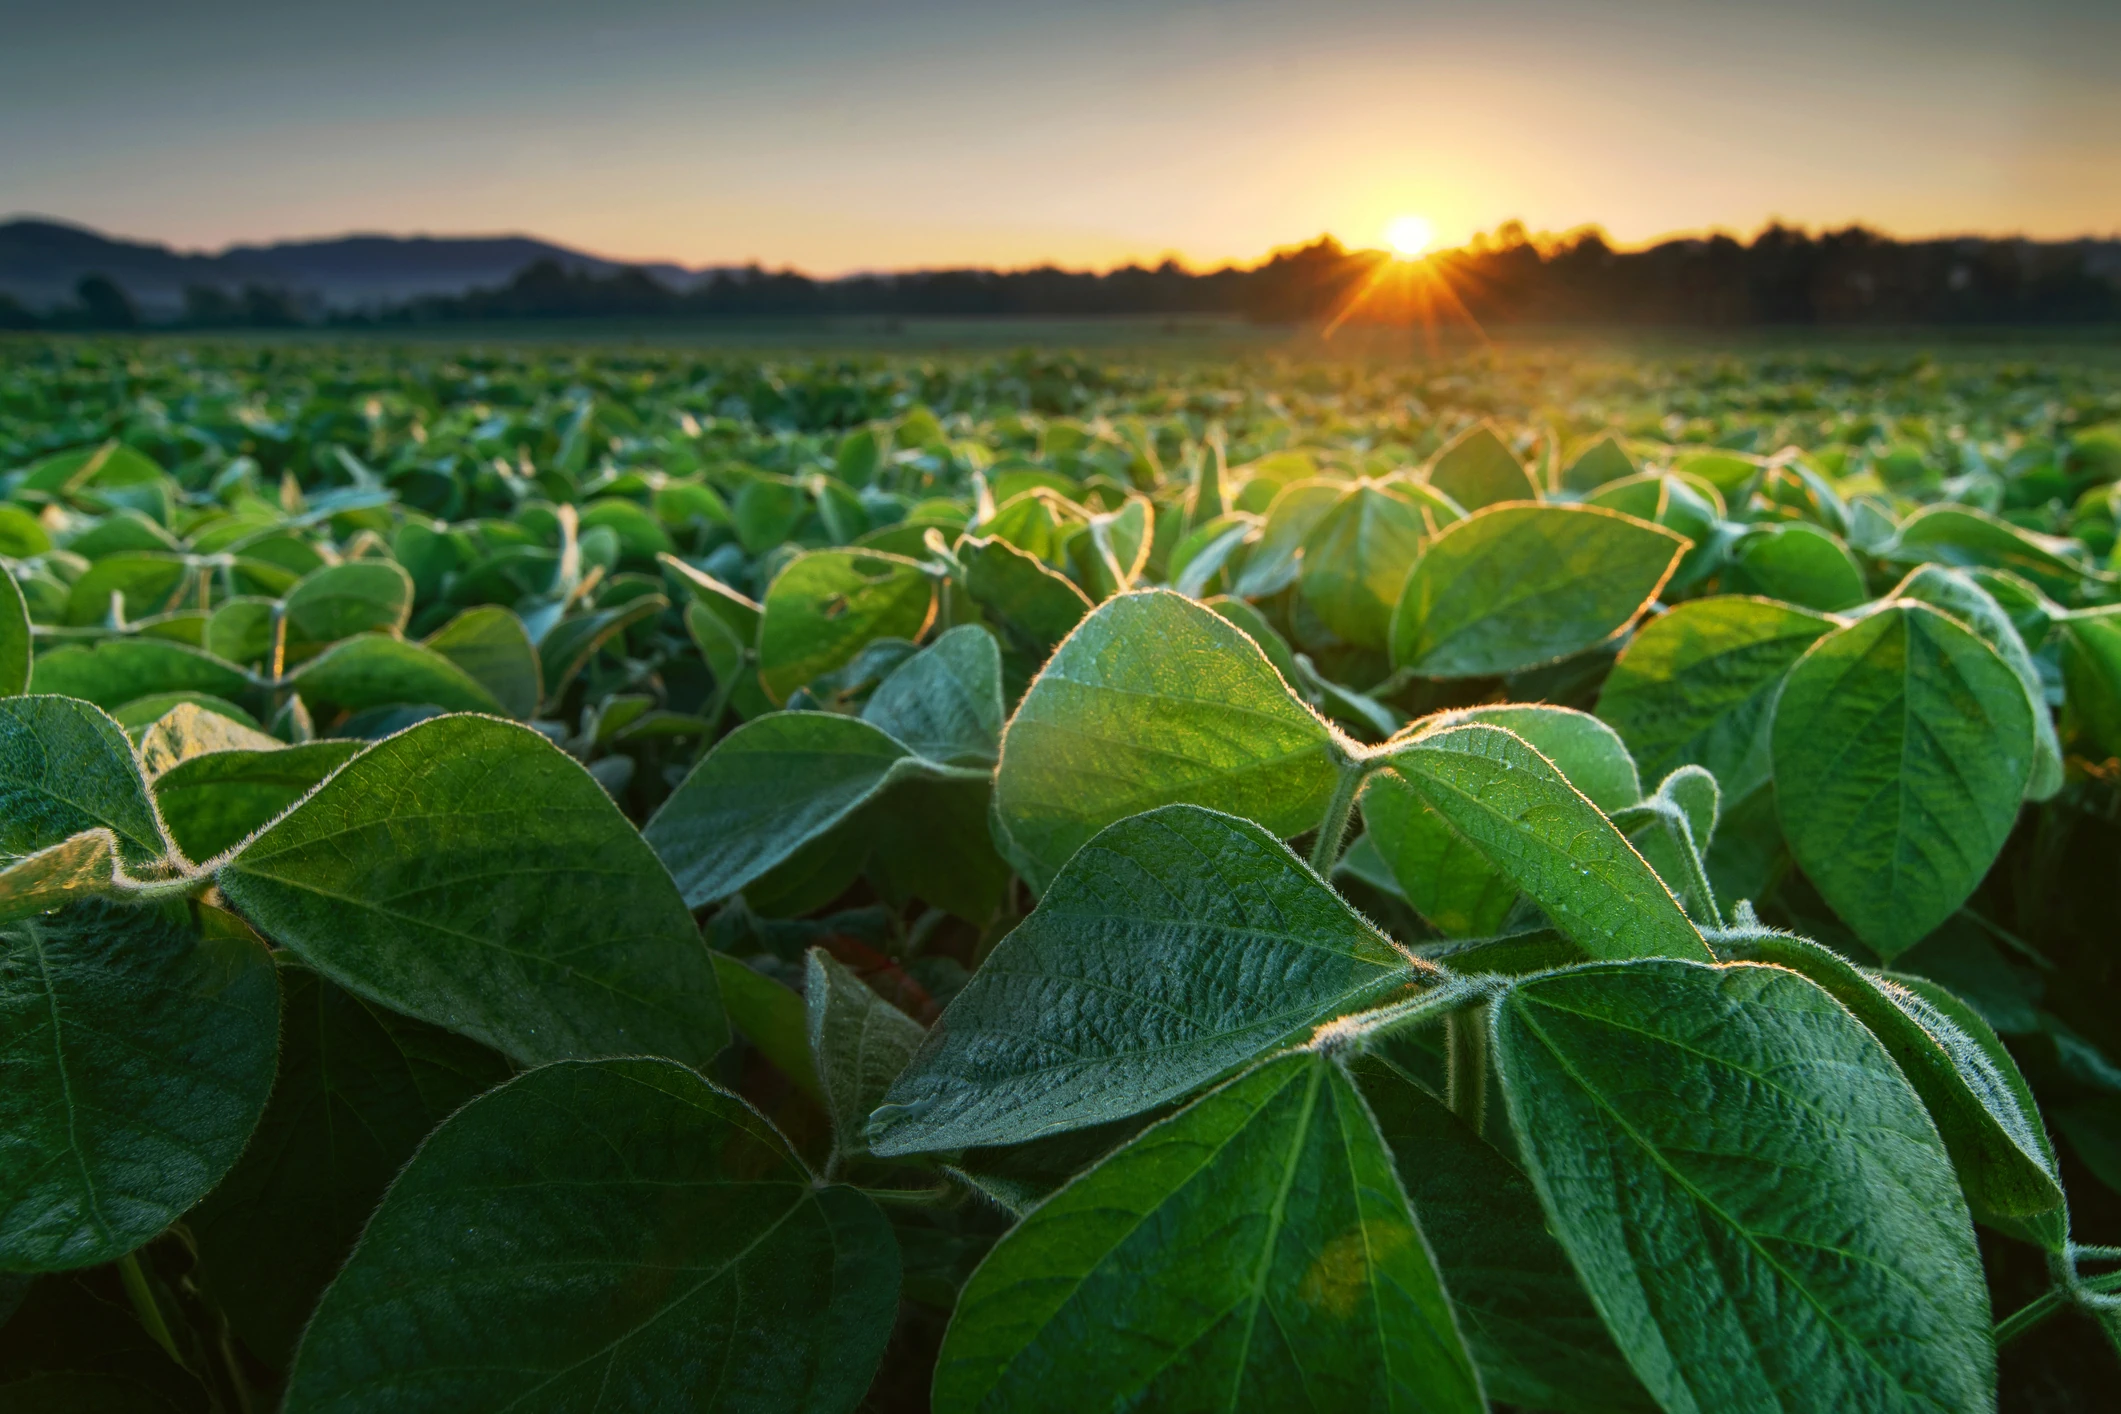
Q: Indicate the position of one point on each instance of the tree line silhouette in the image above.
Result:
(1784, 276)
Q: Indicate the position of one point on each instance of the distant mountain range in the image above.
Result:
(41, 261)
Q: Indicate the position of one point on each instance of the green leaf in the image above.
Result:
(930, 840)
(144, 583)
(1600, 464)
(138, 1057)
(858, 1043)
(81, 867)
(188, 730)
(469, 873)
(1015, 588)
(605, 1234)
(1444, 876)
(145, 711)
(213, 803)
(339, 601)
(1545, 837)
(1155, 700)
(1966, 537)
(378, 671)
(1996, 1143)
(1478, 469)
(772, 1018)
(945, 702)
(731, 660)
(1357, 558)
(1254, 1251)
(1276, 558)
(1902, 746)
(66, 768)
(121, 670)
(1516, 586)
(14, 638)
(1658, 1104)
(1697, 686)
(1530, 1324)
(2091, 673)
(827, 605)
(766, 790)
(492, 647)
(2003, 1088)
(570, 645)
(1175, 947)
(1798, 564)
(1675, 836)
(1956, 593)
(359, 1088)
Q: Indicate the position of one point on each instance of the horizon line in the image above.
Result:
(1541, 238)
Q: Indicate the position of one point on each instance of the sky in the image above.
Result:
(834, 135)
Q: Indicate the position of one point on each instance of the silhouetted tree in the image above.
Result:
(104, 303)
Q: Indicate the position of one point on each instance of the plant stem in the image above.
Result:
(2031, 1314)
(143, 1299)
(1683, 837)
(2069, 1291)
(1325, 850)
(1466, 1075)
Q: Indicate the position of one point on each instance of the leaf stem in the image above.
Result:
(2069, 1290)
(1466, 1076)
(1325, 850)
(143, 1299)
(1682, 835)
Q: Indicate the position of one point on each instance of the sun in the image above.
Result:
(1409, 235)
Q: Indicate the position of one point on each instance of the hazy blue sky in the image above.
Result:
(836, 135)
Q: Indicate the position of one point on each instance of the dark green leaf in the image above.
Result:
(1527, 1319)
(378, 671)
(1153, 701)
(1478, 469)
(1358, 557)
(1252, 1252)
(1902, 746)
(1995, 1140)
(1017, 589)
(827, 605)
(471, 874)
(570, 645)
(767, 789)
(213, 803)
(121, 670)
(66, 768)
(858, 1043)
(138, 1057)
(772, 1018)
(605, 1234)
(929, 839)
(1444, 876)
(1797, 564)
(14, 638)
(1697, 686)
(339, 601)
(359, 1088)
(945, 702)
(1541, 833)
(1961, 596)
(490, 644)
(1515, 586)
(1173, 948)
(1658, 1103)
